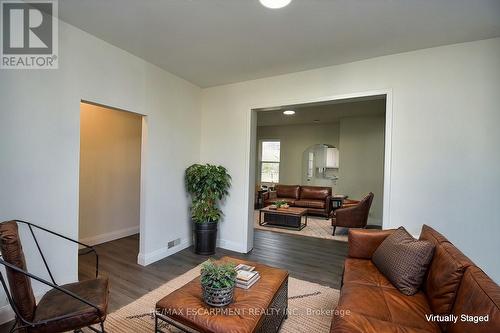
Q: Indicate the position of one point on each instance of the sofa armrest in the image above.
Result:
(328, 204)
(363, 242)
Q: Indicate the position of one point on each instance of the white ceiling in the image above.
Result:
(323, 113)
(214, 42)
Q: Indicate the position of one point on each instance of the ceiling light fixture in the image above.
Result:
(289, 112)
(274, 4)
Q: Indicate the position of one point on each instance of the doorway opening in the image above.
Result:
(338, 147)
(110, 175)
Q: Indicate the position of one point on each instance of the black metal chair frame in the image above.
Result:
(21, 322)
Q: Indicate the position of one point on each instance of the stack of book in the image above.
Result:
(246, 277)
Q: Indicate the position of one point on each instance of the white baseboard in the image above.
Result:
(7, 314)
(232, 246)
(145, 259)
(110, 236)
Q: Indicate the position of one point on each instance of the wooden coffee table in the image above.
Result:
(290, 217)
(262, 308)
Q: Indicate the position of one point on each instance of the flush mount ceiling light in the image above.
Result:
(274, 4)
(289, 112)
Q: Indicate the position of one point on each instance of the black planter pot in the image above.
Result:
(205, 238)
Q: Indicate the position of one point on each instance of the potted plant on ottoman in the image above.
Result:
(217, 282)
(208, 185)
(281, 204)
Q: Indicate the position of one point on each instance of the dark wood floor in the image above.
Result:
(312, 259)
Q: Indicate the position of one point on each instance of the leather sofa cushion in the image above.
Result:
(56, 303)
(310, 203)
(364, 272)
(288, 191)
(364, 242)
(477, 295)
(315, 192)
(20, 284)
(431, 235)
(404, 260)
(443, 278)
(387, 305)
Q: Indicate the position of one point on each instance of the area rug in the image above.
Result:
(310, 308)
(316, 227)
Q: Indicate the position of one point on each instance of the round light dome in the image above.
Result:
(275, 3)
(289, 112)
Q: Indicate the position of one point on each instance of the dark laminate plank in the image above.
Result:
(312, 259)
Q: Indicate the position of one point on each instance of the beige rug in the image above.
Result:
(310, 307)
(316, 227)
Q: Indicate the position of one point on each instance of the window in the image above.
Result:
(270, 161)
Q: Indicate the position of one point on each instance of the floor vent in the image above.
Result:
(173, 243)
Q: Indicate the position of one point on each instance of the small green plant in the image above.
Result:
(280, 203)
(207, 184)
(218, 276)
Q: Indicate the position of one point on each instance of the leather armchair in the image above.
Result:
(353, 216)
(68, 307)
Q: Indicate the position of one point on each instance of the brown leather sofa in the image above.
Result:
(453, 285)
(316, 199)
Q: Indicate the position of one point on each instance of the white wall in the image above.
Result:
(39, 143)
(445, 154)
(362, 161)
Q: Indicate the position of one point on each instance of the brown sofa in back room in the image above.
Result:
(317, 199)
(454, 285)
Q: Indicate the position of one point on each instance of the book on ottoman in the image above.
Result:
(245, 279)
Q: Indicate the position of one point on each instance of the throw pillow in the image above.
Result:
(403, 260)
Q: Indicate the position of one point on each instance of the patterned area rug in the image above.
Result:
(316, 227)
(310, 308)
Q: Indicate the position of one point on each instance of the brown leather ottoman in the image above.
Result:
(262, 308)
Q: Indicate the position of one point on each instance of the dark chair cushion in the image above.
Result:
(56, 303)
(20, 284)
(403, 260)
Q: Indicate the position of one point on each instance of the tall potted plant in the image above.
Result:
(208, 185)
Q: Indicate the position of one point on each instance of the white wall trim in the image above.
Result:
(7, 314)
(389, 116)
(249, 159)
(231, 246)
(110, 236)
(145, 259)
